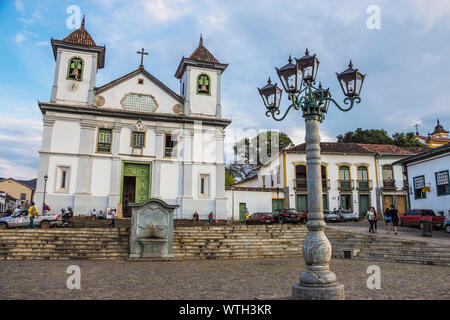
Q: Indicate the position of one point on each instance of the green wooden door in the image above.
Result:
(302, 202)
(242, 207)
(363, 204)
(277, 204)
(143, 179)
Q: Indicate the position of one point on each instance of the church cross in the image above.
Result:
(142, 53)
(417, 131)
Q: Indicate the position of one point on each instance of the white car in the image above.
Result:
(21, 219)
(347, 216)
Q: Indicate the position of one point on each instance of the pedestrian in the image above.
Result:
(211, 217)
(196, 217)
(113, 218)
(33, 214)
(388, 220)
(394, 218)
(371, 216)
(377, 216)
(17, 210)
(45, 209)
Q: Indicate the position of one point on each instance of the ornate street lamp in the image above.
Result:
(45, 188)
(318, 281)
(271, 95)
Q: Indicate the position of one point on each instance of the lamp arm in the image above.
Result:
(348, 100)
(277, 112)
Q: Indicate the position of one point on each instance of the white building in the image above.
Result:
(428, 180)
(355, 176)
(133, 138)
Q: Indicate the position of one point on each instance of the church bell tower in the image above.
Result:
(78, 59)
(200, 82)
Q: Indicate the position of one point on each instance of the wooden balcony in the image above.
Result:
(364, 185)
(345, 185)
(389, 185)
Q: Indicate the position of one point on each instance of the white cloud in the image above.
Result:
(18, 171)
(19, 5)
(19, 37)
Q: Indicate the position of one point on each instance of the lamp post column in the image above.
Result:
(318, 282)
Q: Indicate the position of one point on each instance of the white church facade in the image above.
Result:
(133, 138)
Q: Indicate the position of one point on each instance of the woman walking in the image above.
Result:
(371, 216)
(394, 217)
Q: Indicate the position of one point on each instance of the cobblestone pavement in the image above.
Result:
(408, 233)
(212, 279)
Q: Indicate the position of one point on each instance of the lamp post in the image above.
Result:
(45, 188)
(318, 282)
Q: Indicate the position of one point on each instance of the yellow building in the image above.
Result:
(18, 190)
(438, 138)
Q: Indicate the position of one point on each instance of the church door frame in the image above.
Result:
(149, 164)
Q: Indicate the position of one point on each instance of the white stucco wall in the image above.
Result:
(255, 201)
(66, 136)
(62, 161)
(101, 180)
(429, 168)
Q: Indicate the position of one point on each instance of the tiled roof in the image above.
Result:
(203, 54)
(445, 149)
(354, 148)
(332, 147)
(80, 36)
(385, 149)
(433, 139)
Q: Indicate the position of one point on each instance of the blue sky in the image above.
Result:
(406, 61)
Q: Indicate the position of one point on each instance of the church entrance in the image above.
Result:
(136, 182)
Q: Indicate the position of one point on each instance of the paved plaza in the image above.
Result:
(212, 279)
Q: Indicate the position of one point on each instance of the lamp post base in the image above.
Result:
(300, 292)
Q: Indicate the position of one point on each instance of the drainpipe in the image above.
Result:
(232, 204)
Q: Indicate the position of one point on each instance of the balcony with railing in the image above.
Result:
(364, 185)
(345, 185)
(389, 184)
(302, 184)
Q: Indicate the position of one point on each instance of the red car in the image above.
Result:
(415, 217)
(260, 218)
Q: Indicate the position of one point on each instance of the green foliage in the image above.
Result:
(229, 178)
(380, 136)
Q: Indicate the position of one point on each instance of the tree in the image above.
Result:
(229, 178)
(248, 153)
(380, 136)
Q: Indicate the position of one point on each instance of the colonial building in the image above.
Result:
(354, 177)
(437, 138)
(428, 180)
(18, 190)
(132, 138)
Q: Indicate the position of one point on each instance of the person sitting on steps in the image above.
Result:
(196, 217)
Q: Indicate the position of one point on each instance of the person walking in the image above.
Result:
(371, 216)
(377, 216)
(113, 218)
(388, 220)
(33, 214)
(394, 218)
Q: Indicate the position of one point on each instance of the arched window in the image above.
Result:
(75, 69)
(204, 84)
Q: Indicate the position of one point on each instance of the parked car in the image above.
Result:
(415, 217)
(331, 216)
(21, 219)
(447, 226)
(288, 215)
(345, 215)
(260, 218)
